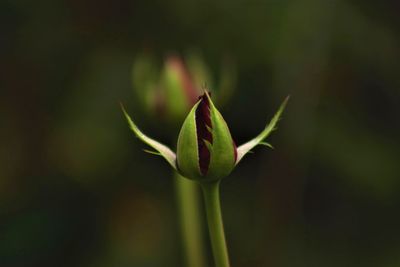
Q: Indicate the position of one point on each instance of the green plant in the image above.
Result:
(166, 94)
(206, 153)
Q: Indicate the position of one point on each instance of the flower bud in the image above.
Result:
(177, 90)
(205, 150)
(168, 93)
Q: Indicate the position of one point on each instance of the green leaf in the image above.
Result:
(258, 140)
(164, 151)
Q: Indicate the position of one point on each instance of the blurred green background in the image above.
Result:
(76, 189)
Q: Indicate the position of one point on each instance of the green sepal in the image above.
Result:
(187, 148)
(152, 152)
(266, 144)
(258, 140)
(208, 145)
(163, 150)
(222, 155)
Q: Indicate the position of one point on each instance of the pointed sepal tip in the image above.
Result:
(259, 139)
(162, 149)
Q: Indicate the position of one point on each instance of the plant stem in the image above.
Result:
(215, 225)
(187, 194)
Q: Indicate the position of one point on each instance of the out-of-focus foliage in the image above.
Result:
(76, 190)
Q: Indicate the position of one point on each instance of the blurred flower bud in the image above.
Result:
(177, 91)
(169, 94)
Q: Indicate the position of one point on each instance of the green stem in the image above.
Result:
(187, 193)
(215, 225)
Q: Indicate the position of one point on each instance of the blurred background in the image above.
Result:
(76, 189)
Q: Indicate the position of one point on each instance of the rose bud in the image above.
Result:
(177, 91)
(205, 148)
(206, 154)
(168, 93)
(206, 151)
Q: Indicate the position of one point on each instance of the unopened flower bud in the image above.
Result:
(205, 149)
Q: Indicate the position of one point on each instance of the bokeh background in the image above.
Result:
(76, 189)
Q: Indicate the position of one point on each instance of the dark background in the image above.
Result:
(76, 189)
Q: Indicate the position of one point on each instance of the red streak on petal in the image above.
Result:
(203, 120)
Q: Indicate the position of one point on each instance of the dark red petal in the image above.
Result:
(203, 121)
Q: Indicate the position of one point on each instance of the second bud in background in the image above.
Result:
(167, 91)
